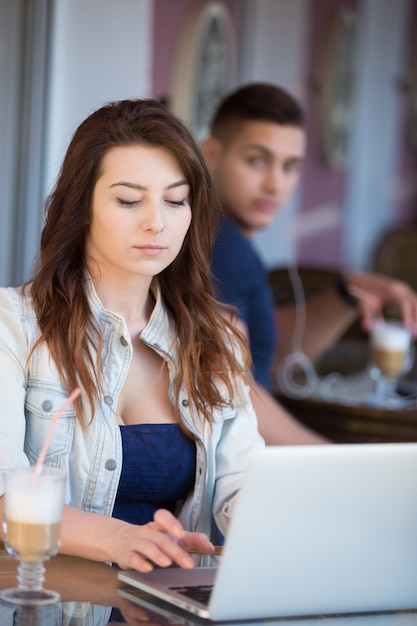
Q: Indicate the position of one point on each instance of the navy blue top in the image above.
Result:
(242, 280)
(158, 469)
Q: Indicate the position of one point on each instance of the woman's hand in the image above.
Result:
(161, 542)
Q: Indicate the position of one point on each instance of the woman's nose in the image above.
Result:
(152, 219)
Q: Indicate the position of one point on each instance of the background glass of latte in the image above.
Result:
(32, 519)
(390, 344)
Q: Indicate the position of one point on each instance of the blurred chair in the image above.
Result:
(313, 279)
(396, 253)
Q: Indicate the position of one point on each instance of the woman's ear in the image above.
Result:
(211, 148)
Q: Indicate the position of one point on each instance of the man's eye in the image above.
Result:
(293, 166)
(256, 161)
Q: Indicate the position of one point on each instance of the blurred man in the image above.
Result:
(255, 154)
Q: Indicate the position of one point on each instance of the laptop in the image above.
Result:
(162, 613)
(316, 530)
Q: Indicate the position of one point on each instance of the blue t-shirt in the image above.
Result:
(242, 281)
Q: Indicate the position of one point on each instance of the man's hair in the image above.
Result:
(255, 102)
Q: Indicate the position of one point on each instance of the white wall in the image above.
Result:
(11, 12)
(376, 131)
(101, 51)
(274, 32)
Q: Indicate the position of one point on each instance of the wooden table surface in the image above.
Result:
(354, 424)
(89, 597)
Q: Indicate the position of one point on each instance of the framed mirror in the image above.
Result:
(335, 87)
(204, 66)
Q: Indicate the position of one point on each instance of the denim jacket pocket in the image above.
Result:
(226, 412)
(42, 402)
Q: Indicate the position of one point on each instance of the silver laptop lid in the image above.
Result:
(322, 529)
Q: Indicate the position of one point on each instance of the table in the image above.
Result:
(92, 596)
(353, 424)
(344, 415)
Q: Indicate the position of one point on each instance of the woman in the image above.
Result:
(121, 305)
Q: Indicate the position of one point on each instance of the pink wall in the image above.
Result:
(322, 185)
(169, 17)
(406, 187)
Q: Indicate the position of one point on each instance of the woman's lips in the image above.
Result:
(150, 250)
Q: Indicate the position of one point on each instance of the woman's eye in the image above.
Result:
(123, 202)
(176, 202)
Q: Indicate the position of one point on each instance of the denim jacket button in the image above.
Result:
(123, 341)
(47, 405)
(184, 402)
(110, 465)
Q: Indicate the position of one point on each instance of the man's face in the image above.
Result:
(257, 171)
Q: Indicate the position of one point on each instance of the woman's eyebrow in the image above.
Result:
(178, 183)
(130, 185)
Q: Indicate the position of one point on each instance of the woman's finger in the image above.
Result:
(197, 541)
(165, 521)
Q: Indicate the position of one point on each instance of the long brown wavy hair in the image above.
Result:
(208, 345)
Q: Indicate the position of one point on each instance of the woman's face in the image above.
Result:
(140, 212)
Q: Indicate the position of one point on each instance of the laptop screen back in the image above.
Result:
(322, 529)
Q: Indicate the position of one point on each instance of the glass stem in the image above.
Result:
(30, 575)
(385, 387)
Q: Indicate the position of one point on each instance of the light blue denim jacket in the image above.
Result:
(31, 394)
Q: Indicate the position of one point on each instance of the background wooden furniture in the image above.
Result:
(314, 280)
(357, 424)
(395, 255)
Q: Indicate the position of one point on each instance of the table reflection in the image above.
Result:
(146, 613)
(91, 595)
(60, 614)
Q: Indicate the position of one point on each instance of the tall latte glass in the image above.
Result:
(32, 519)
(391, 356)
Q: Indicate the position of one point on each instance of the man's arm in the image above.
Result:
(328, 315)
(276, 425)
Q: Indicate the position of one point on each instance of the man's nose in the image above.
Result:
(274, 179)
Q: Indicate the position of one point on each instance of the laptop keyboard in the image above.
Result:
(200, 593)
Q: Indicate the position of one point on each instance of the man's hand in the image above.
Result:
(374, 291)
